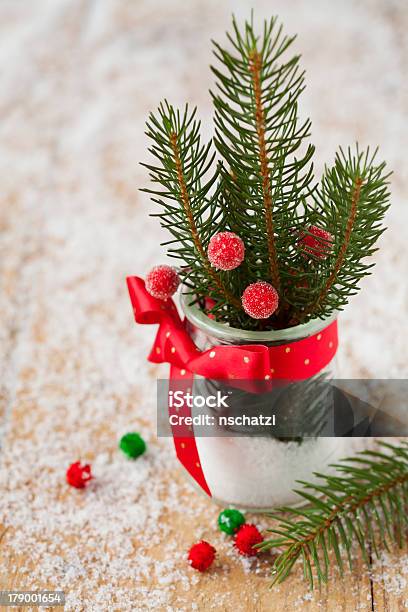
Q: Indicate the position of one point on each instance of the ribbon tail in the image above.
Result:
(183, 435)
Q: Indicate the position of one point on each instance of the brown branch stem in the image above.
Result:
(193, 228)
(255, 65)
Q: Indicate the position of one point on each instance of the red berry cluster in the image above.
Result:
(226, 251)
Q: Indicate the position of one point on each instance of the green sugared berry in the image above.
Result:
(132, 444)
(230, 520)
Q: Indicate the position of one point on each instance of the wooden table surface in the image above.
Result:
(77, 80)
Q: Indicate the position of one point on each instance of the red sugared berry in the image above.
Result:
(226, 251)
(317, 242)
(201, 556)
(260, 300)
(78, 475)
(162, 282)
(246, 538)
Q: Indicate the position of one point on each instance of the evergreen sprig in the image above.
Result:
(256, 179)
(189, 209)
(365, 502)
(257, 133)
(350, 202)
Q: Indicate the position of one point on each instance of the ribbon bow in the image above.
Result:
(173, 344)
(294, 361)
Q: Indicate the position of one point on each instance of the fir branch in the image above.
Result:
(258, 133)
(355, 198)
(255, 62)
(364, 502)
(263, 189)
(193, 228)
(350, 203)
(184, 193)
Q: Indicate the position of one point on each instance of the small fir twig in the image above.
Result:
(189, 208)
(193, 228)
(363, 502)
(350, 203)
(355, 198)
(347, 235)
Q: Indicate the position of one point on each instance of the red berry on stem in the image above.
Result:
(246, 538)
(226, 251)
(317, 242)
(201, 556)
(162, 282)
(260, 300)
(78, 475)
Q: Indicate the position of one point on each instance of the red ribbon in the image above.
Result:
(293, 361)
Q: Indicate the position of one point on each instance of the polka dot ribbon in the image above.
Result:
(294, 361)
(247, 363)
